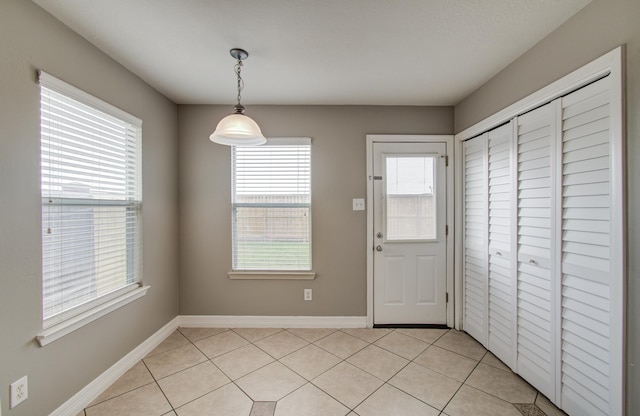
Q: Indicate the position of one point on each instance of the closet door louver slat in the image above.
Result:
(500, 330)
(475, 218)
(535, 341)
(586, 238)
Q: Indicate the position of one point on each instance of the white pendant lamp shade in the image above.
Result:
(238, 130)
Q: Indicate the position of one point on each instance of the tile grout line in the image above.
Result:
(465, 380)
(128, 391)
(413, 361)
(344, 360)
(187, 368)
(367, 343)
(158, 384)
(383, 381)
(231, 381)
(300, 375)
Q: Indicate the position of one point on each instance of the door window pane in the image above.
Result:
(410, 197)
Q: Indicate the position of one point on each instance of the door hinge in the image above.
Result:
(446, 298)
(446, 230)
(446, 159)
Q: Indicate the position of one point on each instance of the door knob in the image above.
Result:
(379, 248)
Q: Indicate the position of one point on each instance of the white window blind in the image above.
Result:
(272, 205)
(91, 200)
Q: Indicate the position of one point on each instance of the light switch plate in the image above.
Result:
(358, 204)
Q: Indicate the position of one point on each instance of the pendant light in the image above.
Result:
(238, 129)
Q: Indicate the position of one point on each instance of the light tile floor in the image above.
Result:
(328, 372)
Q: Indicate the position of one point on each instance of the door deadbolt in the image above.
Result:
(379, 235)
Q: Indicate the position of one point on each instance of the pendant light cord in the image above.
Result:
(238, 68)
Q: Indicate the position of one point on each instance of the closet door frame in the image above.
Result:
(611, 64)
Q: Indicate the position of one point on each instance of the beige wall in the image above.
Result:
(31, 39)
(339, 234)
(183, 158)
(597, 29)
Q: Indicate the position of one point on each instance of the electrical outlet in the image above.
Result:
(308, 294)
(19, 391)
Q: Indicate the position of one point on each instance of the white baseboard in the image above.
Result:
(89, 393)
(222, 321)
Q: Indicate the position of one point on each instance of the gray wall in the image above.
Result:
(339, 234)
(31, 39)
(597, 29)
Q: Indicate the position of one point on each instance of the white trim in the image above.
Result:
(619, 248)
(485, 238)
(288, 141)
(514, 245)
(458, 235)
(580, 77)
(271, 275)
(59, 85)
(57, 331)
(452, 309)
(231, 321)
(555, 261)
(93, 304)
(91, 391)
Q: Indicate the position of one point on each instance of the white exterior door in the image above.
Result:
(410, 246)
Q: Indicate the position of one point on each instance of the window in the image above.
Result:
(272, 206)
(91, 201)
(411, 202)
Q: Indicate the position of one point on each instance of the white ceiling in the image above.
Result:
(377, 52)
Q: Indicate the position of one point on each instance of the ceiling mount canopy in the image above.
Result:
(238, 129)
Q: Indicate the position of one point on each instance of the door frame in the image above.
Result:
(414, 138)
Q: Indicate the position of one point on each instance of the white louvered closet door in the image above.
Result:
(536, 139)
(475, 237)
(586, 252)
(544, 247)
(501, 269)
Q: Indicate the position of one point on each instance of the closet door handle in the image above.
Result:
(498, 253)
(532, 261)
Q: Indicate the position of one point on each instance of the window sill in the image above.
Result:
(59, 330)
(259, 275)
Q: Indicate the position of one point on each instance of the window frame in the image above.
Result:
(271, 273)
(67, 320)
